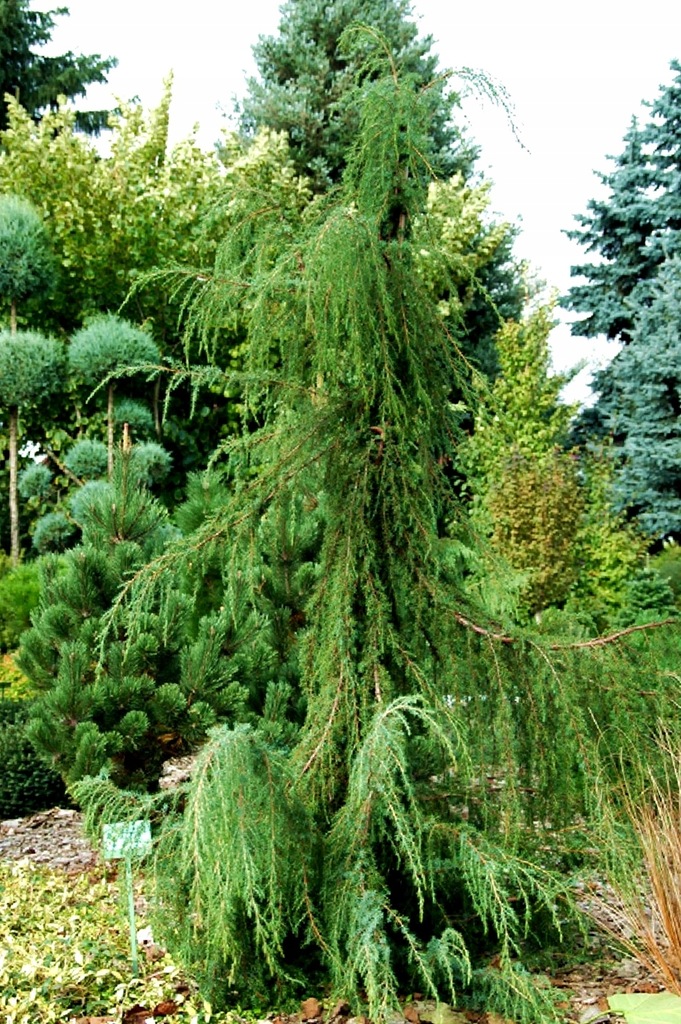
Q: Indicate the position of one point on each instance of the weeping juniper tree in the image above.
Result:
(387, 839)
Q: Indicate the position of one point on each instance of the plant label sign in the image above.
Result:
(125, 839)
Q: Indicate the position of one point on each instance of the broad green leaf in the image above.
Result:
(643, 1008)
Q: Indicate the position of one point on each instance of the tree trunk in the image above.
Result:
(157, 407)
(13, 492)
(110, 430)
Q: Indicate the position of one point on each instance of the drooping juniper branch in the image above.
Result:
(598, 641)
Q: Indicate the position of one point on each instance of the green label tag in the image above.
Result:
(127, 839)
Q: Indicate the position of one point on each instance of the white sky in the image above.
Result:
(576, 73)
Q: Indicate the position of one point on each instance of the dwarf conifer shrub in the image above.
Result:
(27, 782)
(104, 703)
(34, 481)
(87, 458)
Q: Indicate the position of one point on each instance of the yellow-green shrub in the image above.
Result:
(64, 953)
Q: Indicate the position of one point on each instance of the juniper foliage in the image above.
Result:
(387, 835)
(312, 76)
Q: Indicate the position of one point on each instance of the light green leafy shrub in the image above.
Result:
(668, 564)
(64, 954)
(13, 683)
(19, 591)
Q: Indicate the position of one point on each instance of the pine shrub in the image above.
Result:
(27, 783)
(109, 699)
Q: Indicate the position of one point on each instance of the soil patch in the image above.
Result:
(52, 838)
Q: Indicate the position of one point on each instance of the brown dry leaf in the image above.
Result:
(648, 986)
(310, 1009)
(165, 1009)
(137, 1014)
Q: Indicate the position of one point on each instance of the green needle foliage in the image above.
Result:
(312, 76)
(107, 346)
(405, 831)
(105, 703)
(26, 261)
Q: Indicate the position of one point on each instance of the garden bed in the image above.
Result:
(56, 867)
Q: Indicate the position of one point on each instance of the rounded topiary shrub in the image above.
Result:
(53, 533)
(27, 783)
(150, 463)
(35, 481)
(87, 459)
(137, 415)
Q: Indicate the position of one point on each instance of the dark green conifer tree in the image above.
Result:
(37, 80)
(637, 227)
(310, 85)
(640, 406)
(634, 233)
(616, 230)
(109, 699)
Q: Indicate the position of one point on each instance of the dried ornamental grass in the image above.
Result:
(642, 905)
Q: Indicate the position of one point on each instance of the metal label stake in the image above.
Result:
(124, 840)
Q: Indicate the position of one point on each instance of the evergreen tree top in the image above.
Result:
(311, 83)
(637, 226)
(26, 261)
(37, 80)
(640, 406)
